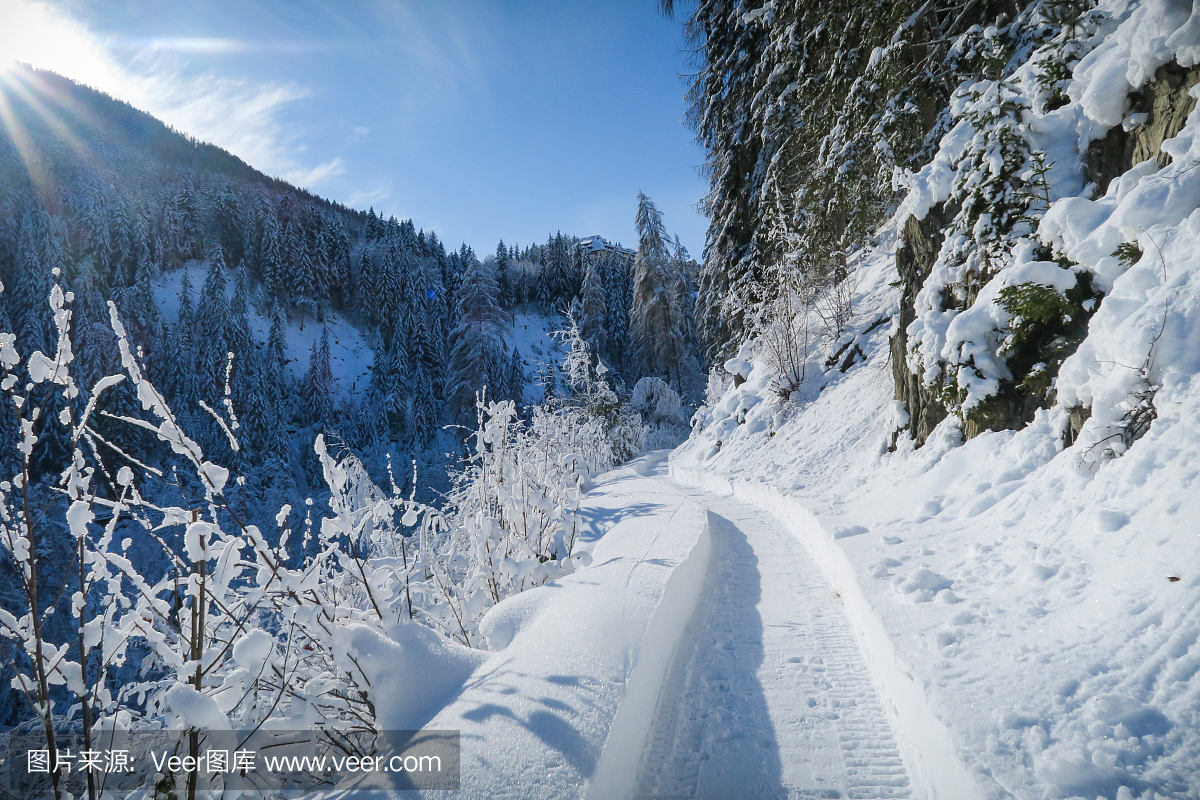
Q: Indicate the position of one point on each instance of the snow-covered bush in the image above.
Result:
(657, 402)
(512, 520)
(663, 411)
(224, 633)
(809, 316)
(788, 338)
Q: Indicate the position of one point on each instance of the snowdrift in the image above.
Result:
(563, 705)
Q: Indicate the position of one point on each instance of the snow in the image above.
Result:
(1008, 591)
(771, 697)
(532, 334)
(351, 356)
(412, 671)
(585, 655)
(1152, 35)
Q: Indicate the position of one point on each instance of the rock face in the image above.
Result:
(1166, 102)
(919, 246)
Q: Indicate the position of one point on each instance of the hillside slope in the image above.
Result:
(1040, 584)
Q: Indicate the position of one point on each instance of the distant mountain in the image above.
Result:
(204, 256)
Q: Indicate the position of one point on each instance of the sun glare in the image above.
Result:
(43, 37)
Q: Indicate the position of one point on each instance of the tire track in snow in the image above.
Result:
(768, 696)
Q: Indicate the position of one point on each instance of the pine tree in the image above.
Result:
(316, 389)
(594, 308)
(367, 297)
(212, 321)
(275, 362)
(479, 328)
(502, 278)
(36, 255)
(804, 113)
(178, 365)
(618, 295)
(339, 259)
(658, 319)
(140, 312)
(424, 413)
(389, 287)
(516, 378)
(238, 335)
(231, 223)
(272, 255)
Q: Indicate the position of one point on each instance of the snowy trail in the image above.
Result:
(769, 696)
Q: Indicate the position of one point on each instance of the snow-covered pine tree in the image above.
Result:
(389, 288)
(618, 292)
(480, 323)
(389, 387)
(212, 320)
(515, 378)
(302, 272)
(594, 308)
(366, 288)
(804, 110)
(272, 254)
(231, 222)
(424, 410)
(36, 256)
(339, 258)
(179, 365)
(502, 277)
(658, 317)
(316, 389)
(238, 335)
(140, 310)
(275, 362)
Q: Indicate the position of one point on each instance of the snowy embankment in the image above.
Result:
(580, 662)
(1042, 597)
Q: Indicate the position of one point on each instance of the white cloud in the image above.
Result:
(308, 178)
(369, 198)
(237, 114)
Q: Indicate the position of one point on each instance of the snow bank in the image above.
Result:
(411, 672)
(628, 738)
(583, 653)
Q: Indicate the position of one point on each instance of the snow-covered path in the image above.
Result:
(769, 696)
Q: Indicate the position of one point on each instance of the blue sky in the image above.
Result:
(480, 120)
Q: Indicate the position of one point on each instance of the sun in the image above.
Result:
(41, 36)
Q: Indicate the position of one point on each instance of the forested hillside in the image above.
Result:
(112, 205)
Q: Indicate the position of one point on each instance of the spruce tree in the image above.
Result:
(659, 325)
(316, 389)
(502, 277)
(516, 378)
(480, 323)
(212, 321)
(594, 308)
(272, 255)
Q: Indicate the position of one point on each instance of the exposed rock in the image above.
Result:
(919, 245)
(1076, 416)
(1166, 102)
